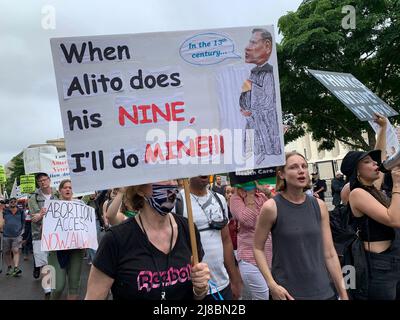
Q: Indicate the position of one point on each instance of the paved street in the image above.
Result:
(26, 287)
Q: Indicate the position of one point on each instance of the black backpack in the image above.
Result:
(343, 232)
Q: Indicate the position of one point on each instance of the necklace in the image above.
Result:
(163, 289)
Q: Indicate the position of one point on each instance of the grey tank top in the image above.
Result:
(298, 262)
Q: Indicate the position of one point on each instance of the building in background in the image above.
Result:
(51, 146)
(324, 162)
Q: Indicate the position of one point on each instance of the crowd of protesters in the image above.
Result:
(253, 242)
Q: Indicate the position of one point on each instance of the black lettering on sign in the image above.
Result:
(141, 81)
(74, 52)
(120, 161)
(85, 121)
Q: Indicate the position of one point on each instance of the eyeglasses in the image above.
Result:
(43, 180)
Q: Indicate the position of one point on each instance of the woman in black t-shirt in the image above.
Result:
(149, 256)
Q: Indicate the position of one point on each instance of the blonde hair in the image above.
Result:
(281, 183)
(131, 200)
(62, 183)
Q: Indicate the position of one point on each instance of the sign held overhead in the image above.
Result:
(353, 94)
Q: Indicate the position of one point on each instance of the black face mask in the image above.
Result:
(163, 199)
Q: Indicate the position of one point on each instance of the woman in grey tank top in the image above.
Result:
(303, 253)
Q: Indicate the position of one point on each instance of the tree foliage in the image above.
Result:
(313, 37)
(17, 170)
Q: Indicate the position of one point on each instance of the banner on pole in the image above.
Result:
(54, 164)
(2, 175)
(27, 183)
(172, 104)
(15, 191)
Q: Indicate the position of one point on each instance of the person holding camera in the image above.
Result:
(245, 206)
(210, 214)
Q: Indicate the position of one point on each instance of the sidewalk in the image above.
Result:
(25, 287)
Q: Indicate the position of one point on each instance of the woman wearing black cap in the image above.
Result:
(375, 217)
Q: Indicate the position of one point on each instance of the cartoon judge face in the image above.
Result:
(259, 49)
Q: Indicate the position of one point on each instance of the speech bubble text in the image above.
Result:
(208, 49)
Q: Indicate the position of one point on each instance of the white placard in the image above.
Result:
(392, 142)
(141, 108)
(68, 225)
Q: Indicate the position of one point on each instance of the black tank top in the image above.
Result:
(377, 231)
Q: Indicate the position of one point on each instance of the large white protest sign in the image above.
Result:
(54, 164)
(31, 156)
(68, 225)
(140, 108)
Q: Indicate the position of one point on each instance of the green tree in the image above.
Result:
(17, 170)
(313, 37)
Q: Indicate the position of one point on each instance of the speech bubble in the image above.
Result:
(208, 49)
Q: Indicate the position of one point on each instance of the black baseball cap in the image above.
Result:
(351, 160)
(41, 174)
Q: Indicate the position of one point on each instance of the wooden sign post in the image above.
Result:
(192, 233)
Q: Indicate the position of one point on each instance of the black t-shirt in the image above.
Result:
(125, 255)
(219, 189)
(317, 185)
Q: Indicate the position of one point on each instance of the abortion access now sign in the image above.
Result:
(353, 94)
(68, 225)
(139, 108)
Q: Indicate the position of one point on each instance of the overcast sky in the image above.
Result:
(28, 97)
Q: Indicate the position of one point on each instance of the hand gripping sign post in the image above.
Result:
(140, 108)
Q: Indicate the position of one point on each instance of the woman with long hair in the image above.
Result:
(148, 256)
(375, 217)
(304, 258)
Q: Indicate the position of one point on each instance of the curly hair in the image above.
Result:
(131, 200)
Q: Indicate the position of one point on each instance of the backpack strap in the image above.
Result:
(179, 205)
(179, 208)
(219, 202)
